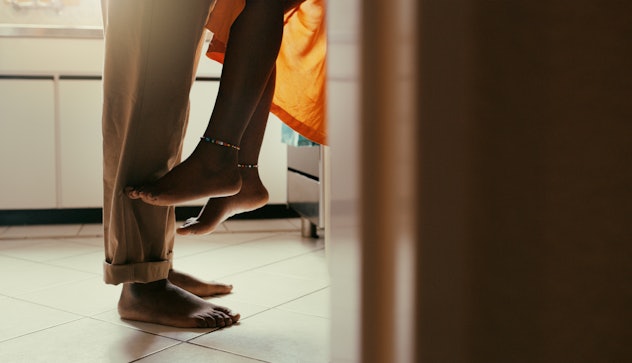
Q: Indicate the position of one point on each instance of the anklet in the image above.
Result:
(248, 166)
(218, 142)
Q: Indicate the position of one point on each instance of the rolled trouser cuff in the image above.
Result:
(142, 272)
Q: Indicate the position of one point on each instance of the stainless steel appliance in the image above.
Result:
(305, 185)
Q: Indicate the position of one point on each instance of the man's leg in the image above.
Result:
(152, 47)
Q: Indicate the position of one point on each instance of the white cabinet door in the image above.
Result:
(80, 143)
(27, 144)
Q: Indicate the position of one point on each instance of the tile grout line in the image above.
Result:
(224, 351)
(157, 352)
(271, 263)
(268, 309)
(78, 317)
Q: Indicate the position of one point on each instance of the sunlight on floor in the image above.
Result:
(54, 305)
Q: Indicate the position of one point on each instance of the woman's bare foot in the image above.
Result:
(161, 302)
(210, 171)
(196, 286)
(252, 195)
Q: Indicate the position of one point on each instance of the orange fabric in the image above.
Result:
(299, 97)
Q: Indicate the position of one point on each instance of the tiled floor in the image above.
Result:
(54, 306)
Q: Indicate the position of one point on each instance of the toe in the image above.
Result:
(203, 322)
(188, 227)
(132, 192)
(213, 321)
(223, 319)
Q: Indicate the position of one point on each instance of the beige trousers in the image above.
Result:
(151, 53)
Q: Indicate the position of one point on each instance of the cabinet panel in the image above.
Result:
(80, 144)
(27, 144)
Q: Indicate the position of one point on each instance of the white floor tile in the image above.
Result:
(96, 241)
(54, 305)
(91, 230)
(89, 262)
(227, 238)
(264, 225)
(312, 266)
(81, 341)
(271, 290)
(286, 243)
(190, 245)
(220, 263)
(8, 244)
(274, 336)
(296, 222)
(87, 297)
(192, 353)
(21, 317)
(42, 231)
(41, 250)
(21, 277)
(9, 267)
(317, 304)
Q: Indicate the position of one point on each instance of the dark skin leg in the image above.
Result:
(211, 170)
(253, 193)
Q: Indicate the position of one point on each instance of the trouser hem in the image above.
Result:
(142, 272)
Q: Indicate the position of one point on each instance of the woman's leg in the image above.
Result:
(211, 170)
(253, 193)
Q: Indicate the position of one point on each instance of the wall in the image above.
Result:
(521, 181)
(525, 182)
(342, 237)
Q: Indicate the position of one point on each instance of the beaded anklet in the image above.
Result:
(248, 166)
(218, 142)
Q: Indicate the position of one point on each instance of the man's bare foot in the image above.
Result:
(210, 171)
(196, 286)
(252, 195)
(161, 302)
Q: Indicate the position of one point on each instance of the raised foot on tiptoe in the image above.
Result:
(161, 302)
(196, 286)
(253, 195)
(210, 171)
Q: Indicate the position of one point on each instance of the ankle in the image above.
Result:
(140, 287)
(220, 142)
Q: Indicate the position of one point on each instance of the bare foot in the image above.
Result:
(210, 171)
(196, 286)
(252, 195)
(161, 302)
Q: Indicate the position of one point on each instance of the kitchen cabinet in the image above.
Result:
(80, 143)
(27, 143)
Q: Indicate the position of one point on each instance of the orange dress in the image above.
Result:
(299, 97)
